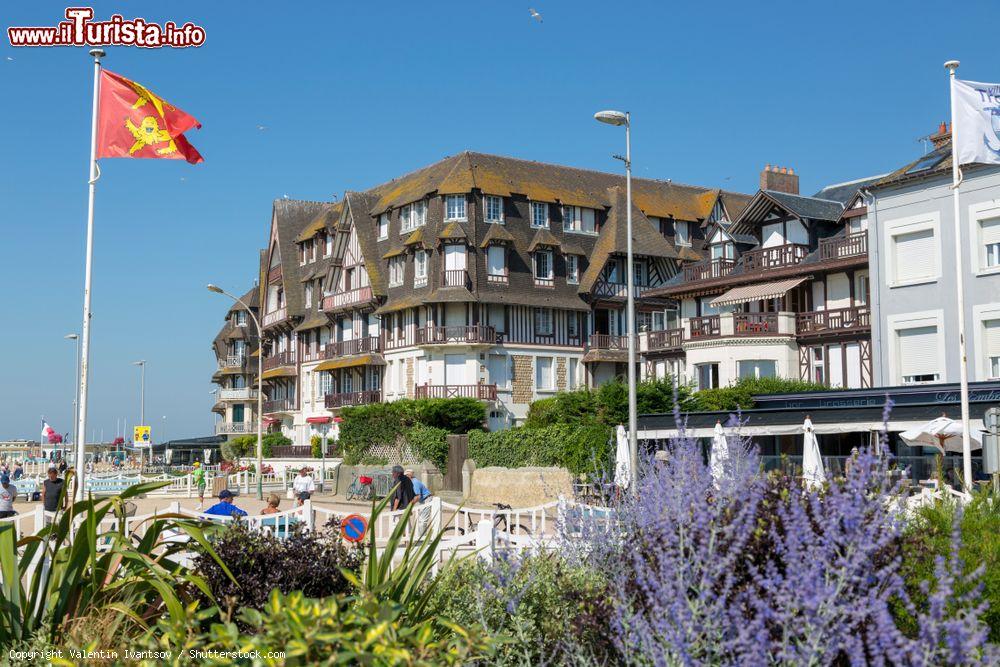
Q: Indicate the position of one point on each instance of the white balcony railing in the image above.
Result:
(276, 316)
(244, 394)
(235, 428)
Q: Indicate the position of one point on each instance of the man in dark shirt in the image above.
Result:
(52, 491)
(404, 490)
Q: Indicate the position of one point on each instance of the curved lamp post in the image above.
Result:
(260, 387)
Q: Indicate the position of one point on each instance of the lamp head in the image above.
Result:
(71, 336)
(612, 117)
(952, 65)
(214, 288)
(141, 362)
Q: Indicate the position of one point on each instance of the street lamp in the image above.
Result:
(260, 387)
(76, 443)
(619, 118)
(142, 407)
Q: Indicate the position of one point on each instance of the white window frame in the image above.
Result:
(982, 313)
(687, 233)
(978, 213)
(487, 199)
(309, 295)
(572, 269)
(534, 265)
(458, 199)
(549, 377)
(573, 215)
(537, 205)
(709, 364)
(241, 318)
(910, 225)
(420, 262)
(926, 318)
(548, 320)
(493, 248)
(383, 227)
(572, 324)
(397, 271)
(756, 368)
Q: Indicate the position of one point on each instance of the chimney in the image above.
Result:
(943, 134)
(779, 179)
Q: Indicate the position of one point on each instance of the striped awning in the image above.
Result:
(759, 292)
(350, 362)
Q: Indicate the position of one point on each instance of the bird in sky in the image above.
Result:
(262, 127)
(9, 59)
(534, 14)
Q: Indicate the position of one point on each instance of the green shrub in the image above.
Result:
(455, 415)
(566, 407)
(552, 611)
(578, 447)
(739, 396)
(430, 444)
(928, 536)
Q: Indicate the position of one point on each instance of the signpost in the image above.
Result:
(141, 438)
(991, 446)
(353, 528)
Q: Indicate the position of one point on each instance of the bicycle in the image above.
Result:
(361, 487)
(499, 523)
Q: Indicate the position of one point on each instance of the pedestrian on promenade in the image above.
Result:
(303, 486)
(199, 480)
(225, 506)
(8, 494)
(53, 491)
(420, 494)
(18, 471)
(273, 501)
(404, 495)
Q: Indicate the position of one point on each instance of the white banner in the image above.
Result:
(976, 125)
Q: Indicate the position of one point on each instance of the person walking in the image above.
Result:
(198, 477)
(303, 485)
(8, 494)
(404, 495)
(53, 491)
(420, 489)
(18, 471)
(225, 506)
(420, 495)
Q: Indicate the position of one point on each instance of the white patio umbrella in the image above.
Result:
(719, 454)
(942, 433)
(812, 463)
(623, 470)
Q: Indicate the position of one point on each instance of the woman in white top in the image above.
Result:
(303, 486)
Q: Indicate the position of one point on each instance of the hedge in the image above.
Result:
(581, 448)
(429, 444)
(246, 445)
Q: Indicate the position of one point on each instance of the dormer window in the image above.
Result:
(396, 269)
(682, 232)
(724, 250)
(579, 219)
(327, 245)
(572, 269)
(383, 226)
(544, 276)
(241, 318)
(496, 264)
(412, 216)
(493, 208)
(420, 261)
(455, 208)
(539, 214)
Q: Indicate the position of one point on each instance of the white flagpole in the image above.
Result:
(963, 367)
(85, 332)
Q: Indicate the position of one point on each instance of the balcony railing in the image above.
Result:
(616, 290)
(454, 334)
(455, 278)
(839, 247)
(774, 257)
(278, 360)
(232, 361)
(669, 339)
(243, 394)
(279, 405)
(704, 327)
(837, 320)
(275, 316)
(482, 392)
(356, 296)
(606, 342)
(755, 324)
(345, 348)
(713, 268)
(298, 451)
(235, 428)
(344, 399)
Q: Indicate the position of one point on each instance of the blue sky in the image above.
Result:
(352, 94)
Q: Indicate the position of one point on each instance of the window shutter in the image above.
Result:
(991, 339)
(990, 231)
(918, 351)
(914, 255)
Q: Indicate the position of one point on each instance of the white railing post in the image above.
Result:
(308, 510)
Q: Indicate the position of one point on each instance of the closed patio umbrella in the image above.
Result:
(720, 453)
(942, 433)
(812, 463)
(623, 470)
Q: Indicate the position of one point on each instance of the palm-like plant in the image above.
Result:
(78, 566)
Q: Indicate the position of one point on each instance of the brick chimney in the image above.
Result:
(942, 135)
(779, 179)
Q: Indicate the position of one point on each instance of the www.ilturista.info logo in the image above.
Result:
(80, 30)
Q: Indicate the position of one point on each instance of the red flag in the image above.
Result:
(132, 121)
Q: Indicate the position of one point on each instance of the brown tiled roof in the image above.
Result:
(452, 230)
(291, 217)
(356, 210)
(451, 295)
(613, 239)
(543, 237)
(416, 239)
(313, 322)
(496, 234)
(403, 303)
(327, 219)
(540, 298)
(571, 248)
(394, 252)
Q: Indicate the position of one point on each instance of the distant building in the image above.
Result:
(236, 347)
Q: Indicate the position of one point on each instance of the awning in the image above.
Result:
(789, 429)
(279, 373)
(759, 292)
(318, 420)
(350, 362)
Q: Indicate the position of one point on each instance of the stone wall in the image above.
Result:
(519, 487)
(409, 378)
(523, 381)
(561, 373)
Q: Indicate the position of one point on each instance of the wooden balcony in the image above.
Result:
(704, 327)
(455, 278)
(607, 342)
(482, 392)
(278, 360)
(713, 268)
(843, 247)
(349, 398)
(355, 297)
(608, 290)
(477, 334)
(346, 348)
(774, 257)
(235, 428)
(279, 405)
(242, 394)
(835, 321)
(755, 324)
(276, 316)
(233, 361)
(666, 340)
